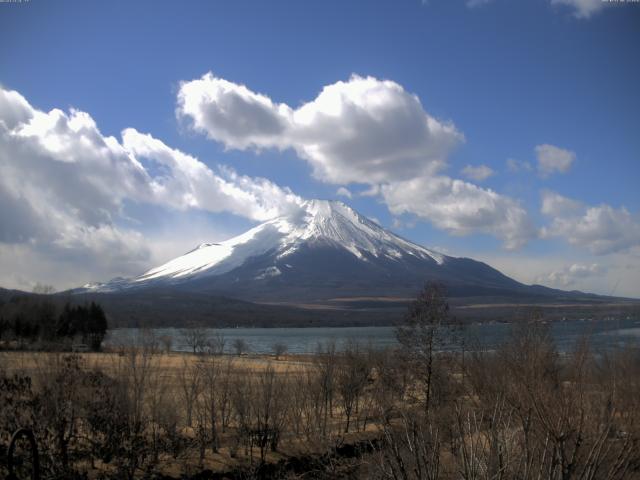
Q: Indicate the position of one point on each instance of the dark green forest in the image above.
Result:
(46, 322)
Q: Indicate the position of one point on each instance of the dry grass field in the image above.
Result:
(521, 411)
(170, 363)
(179, 393)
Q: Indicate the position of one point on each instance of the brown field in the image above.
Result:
(521, 411)
(170, 363)
(166, 375)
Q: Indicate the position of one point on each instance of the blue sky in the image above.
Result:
(542, 94)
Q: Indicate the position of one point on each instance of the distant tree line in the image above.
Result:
(46, 321)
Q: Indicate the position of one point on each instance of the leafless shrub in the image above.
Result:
(279, 349)
(351, 379)
(545, 416)
(326, 364)
(167, 342)
(410, 448)
(210, 372)
(269, 410)
(189, 383)
(216, 344)
(425, 331)
(196, 338)
(240, 346)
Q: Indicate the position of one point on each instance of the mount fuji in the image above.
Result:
(323, 265)
(323, 253)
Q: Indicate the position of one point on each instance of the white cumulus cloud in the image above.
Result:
(64, 187)
(344, 192)
(555, 205)
(363, 130)
(477, 3)
(552, 159)
(514, 166)
(582, 8)
(478, 173)
(232, 114)
(461, 208)
(189, 183)
(572, 275)
(602, 229)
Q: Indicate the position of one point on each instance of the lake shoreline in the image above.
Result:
(305, 340)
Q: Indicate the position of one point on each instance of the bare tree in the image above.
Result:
(269, 408)
(224, 392)
(60, 381)
(410, 448)
(189, 382)
(391, 381)
(241, 394)
(279, 349)
(147, 341)
(307, 404)
(351, 378)
(210, 373)
(326, 365)
(216, 344)
(195, 338)
(167, 343)
(422, 333)
(543, 415)
(133, 369)
(240, 346)
(158, 404)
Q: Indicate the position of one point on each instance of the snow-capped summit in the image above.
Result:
(325, 249)
(336, 222)
(318, 222)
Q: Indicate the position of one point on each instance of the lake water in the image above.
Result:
(603, 334)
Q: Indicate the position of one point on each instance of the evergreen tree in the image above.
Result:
(30, 318)
(63, 326)
(96, 325)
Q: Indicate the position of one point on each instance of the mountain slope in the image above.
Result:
(323, 252)
(318, 224)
